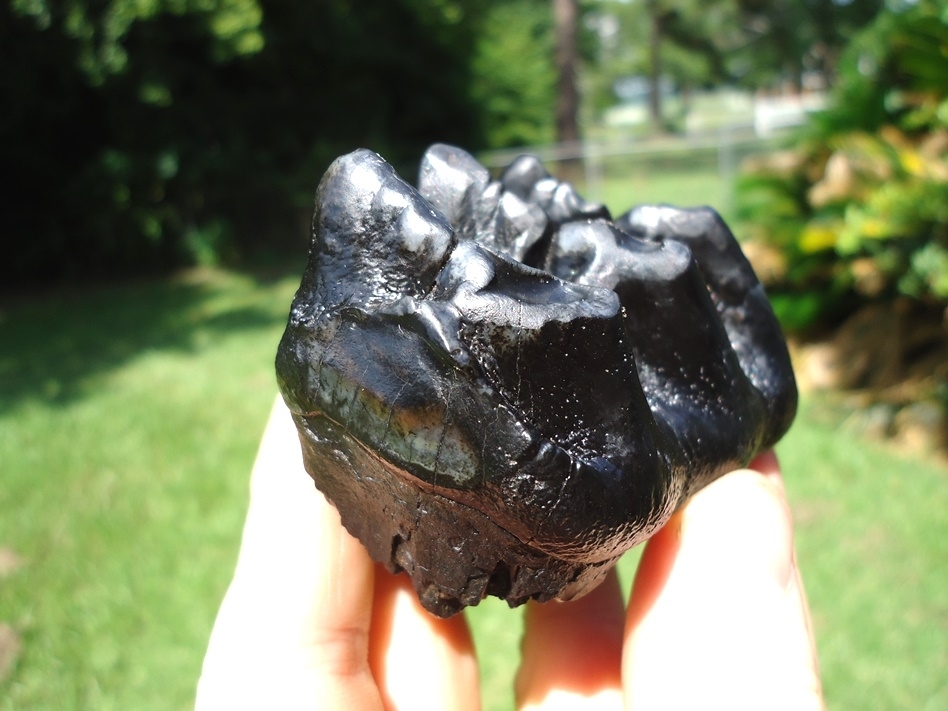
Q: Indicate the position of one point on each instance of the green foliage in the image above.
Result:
(704, 43)
(100, 29)
(514, 74)
(145, 134)
(860, 205)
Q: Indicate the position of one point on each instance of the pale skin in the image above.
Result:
(717, 616)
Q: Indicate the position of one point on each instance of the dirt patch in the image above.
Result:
(10, 562)
(815, 512)
(890, 361)
(10, 647)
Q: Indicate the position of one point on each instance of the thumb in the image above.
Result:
(718, 615)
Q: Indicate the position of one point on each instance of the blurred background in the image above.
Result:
(162, 158)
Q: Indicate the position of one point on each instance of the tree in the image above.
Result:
(150, 133)
(513, 76)
(859, 205)
(752, 43)
(566, 59)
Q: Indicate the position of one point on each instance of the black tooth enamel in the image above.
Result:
(528, 179)
(745, 312)
(491, 428)
(480, 210)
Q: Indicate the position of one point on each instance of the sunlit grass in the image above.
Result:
(129, 421)
(628, 184)
(129, 417)
(872, 538)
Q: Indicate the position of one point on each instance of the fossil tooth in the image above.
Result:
(502, 390)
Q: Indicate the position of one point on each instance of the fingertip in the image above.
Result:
(655, 565)
(395, 602)
(417, 659)
(767, 464)
(716, 599)
(572, 651)
(296, 614)
(741, 526)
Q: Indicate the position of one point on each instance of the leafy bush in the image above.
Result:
(859, 205)
(514, 77)
(144, 134)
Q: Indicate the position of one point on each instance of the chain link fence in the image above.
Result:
(683, 170)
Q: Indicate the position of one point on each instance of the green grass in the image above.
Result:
(872, 540)
(128, 423)
(684, 179)
(703, 186)
(129, 417)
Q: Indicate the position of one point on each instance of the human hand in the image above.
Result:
(717, 615)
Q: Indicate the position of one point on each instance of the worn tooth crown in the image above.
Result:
(502, 390)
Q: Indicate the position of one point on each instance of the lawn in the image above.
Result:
(129, 417)
(683, 179)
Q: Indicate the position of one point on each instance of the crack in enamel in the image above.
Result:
(528, 387)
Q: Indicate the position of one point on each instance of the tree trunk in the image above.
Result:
(566, 58)
(655, 67)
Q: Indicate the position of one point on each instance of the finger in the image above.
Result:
(769, 467)
(572, 652)
(717, 615)
(292, 631)
(420, 661)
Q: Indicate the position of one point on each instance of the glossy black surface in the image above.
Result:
(502, 390)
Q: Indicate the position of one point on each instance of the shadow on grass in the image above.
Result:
(53, 346)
